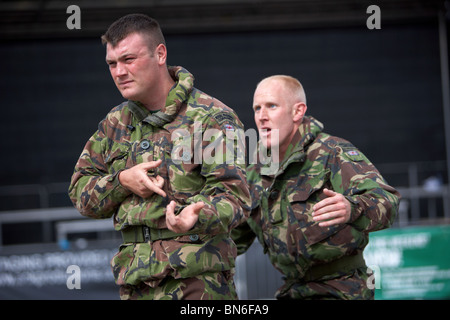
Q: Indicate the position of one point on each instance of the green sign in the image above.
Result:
(410, 263)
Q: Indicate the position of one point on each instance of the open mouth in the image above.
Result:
(265, 131)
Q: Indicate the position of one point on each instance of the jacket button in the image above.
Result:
(193, 237)
(145, 144)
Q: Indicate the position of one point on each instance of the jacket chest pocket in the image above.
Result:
(305, 187)
(302, 198)
(271, 206)
(185, 177)
(152, 147)
(288, 198)
(142, 151)
(274, 202)
(116, 158)
(182, 171)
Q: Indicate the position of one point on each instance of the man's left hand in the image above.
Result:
(185, 220)
(335, 209)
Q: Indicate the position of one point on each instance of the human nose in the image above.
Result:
(119, 70)
(262, 114)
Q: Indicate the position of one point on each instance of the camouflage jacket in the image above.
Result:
(192, 127)
(282, 202)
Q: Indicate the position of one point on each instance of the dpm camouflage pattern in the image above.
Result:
(282, 207)
(206, 286)
(130, 135)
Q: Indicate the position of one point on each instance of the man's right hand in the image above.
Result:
(137, 180)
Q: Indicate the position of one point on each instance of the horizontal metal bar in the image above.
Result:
(36, 215)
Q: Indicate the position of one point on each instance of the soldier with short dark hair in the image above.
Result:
(173, 193)
(315, 199)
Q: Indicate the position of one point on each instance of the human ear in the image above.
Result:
(161, 53)
(298, 111)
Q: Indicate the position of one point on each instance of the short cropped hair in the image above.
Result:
(134, 23)
(292, 84)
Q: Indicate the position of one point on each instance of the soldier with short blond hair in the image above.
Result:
(315, 199)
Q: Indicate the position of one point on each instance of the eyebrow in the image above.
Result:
(266, 103)
(121, 57)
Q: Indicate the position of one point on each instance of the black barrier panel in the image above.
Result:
(49, 272)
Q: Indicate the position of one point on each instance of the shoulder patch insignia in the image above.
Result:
(353, 155)
(224, 117)
(226, 121)
(228, 126)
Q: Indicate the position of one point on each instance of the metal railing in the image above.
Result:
(425, 200)
(42, 192)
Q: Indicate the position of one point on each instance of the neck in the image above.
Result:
(293, 139)
(157, 98)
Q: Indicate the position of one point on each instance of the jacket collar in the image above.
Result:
(177, 96)
(307, 132)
